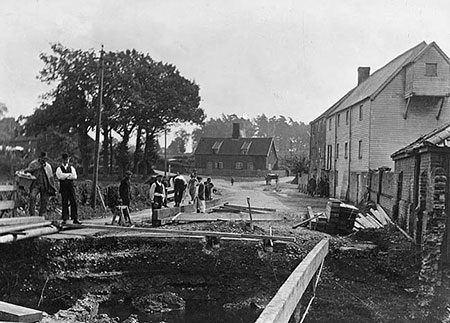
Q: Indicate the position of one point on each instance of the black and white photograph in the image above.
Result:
(241, 161)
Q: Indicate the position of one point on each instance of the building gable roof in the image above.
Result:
(377, 81)
(439, 137)
(230, 146)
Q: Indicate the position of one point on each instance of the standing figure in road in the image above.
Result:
(192, 186)
(312, 186)
(201, 196)
(232, 180)
(43, 183)
(157, 193)
(66, 174)
(179, 185)
(208, 189)
(125, 188)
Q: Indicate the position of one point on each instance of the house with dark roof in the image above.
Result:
(386, 110)
(235, 155)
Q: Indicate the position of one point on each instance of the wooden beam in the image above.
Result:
(21, 220)
(7, 188)
(405, 115)
(16, 228)
(7, 205)
(305, 221)
(209, 217)
(285, 301)
(253, 208)
(441, 104)
(16, 313)
(181, 232)
(27, 234)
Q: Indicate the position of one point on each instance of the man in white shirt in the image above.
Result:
(157, 193)
(66, 174)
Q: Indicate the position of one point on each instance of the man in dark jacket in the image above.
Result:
(66, 174)
(43, 183)
(125, 188)
(179, 185)
(201, 196)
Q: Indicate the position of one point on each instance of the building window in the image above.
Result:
(329, 124)
(219, 165)
(347, 116)
(430, 69)
(216, 147)
(329, 156)
(209, 165)
(346, 150)
(338, 119)
(239, 165)
(360, 149)
(250, 166)
(245, 147)
(337, 151)
(360, 113)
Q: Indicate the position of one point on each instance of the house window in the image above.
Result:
(329, 156)
(347, 116)
(209, 165)
(337, 151)
(250, 166)
(360, 113)
(239, 165)
(360, 149)
(216, 147)
(219, 165)
(346, 150)
(338, 119)
(329, 124)
(430, 69)
(245, 147)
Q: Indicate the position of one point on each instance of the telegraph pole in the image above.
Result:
(97, 134)
(165, 150)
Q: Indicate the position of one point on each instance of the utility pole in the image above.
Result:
(165, 150)
(97, 135)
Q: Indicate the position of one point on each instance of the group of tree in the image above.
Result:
(291, 137)
(141, 98)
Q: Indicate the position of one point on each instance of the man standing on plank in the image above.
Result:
(66, 174)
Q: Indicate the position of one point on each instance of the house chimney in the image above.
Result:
(236, 133)
(363, 74)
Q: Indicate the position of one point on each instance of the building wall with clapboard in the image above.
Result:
(406, 98)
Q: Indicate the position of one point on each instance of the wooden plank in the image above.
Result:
(182, 232)
(384, 214)
(253, 208)
(7, 205)
(21, 220)
(235, 208)
(364, 222)
(7, 188)
(21, 227)
(285, 301)
(208, 217)
(305, 221)
(374, 219)
(379, 217)
(27, 234)
(16, 313)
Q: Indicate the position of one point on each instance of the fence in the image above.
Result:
(286, 302)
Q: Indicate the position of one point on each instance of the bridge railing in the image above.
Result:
(286, 301)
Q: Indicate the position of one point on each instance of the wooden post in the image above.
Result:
(250, 213)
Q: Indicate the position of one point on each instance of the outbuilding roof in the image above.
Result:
(230, 146)
(439, 137)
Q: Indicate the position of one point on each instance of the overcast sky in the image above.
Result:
(292, 58)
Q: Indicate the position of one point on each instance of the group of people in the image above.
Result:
(198, 190)
(43, 183)
(321, 188)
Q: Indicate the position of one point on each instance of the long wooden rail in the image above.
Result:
(284, 303)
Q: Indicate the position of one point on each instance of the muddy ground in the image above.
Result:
(106, 278)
